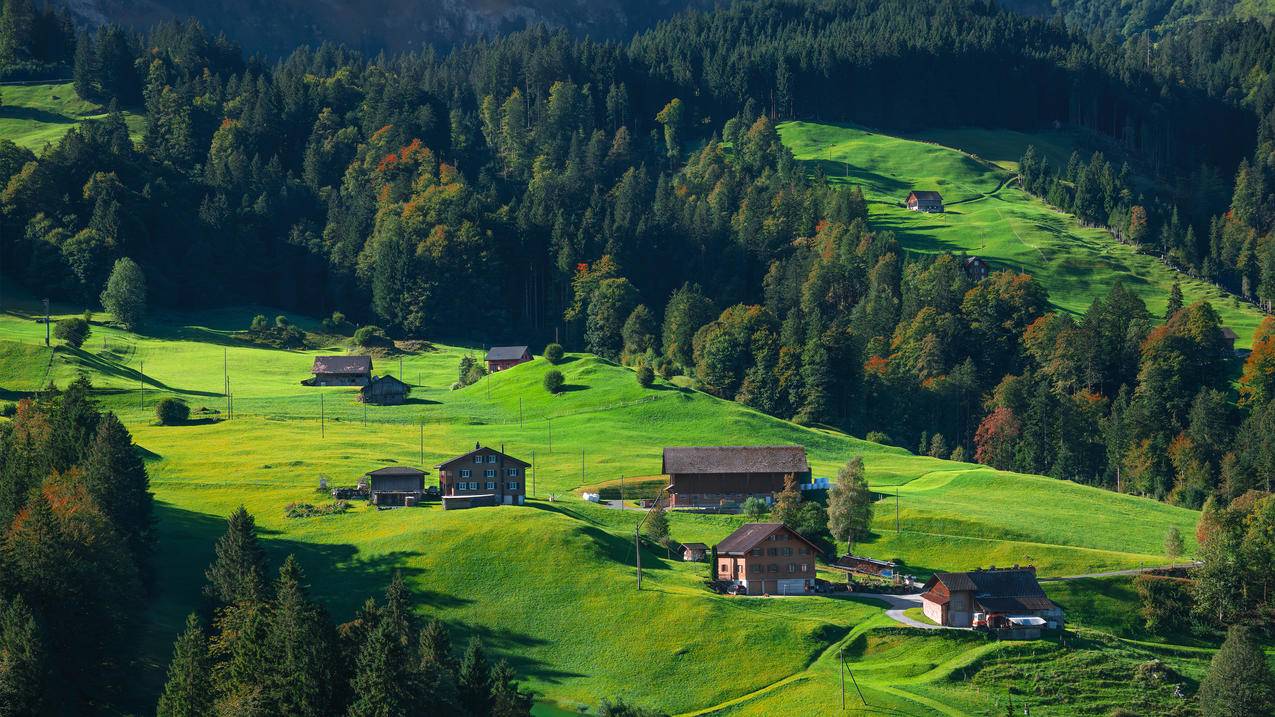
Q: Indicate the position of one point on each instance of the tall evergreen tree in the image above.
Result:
(473, 681)
(23, 662)
(300, 649)
(189, 690)
(117, 480)
(384, 682)
(1239, 682)
(238, 572)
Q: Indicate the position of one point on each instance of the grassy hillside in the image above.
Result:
(551, 584)
(987, 215)
(35, 115)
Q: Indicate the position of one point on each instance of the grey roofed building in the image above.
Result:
(506, 353)
(735, 459)
(342, 364)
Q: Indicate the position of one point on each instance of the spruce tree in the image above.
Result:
(23, 661)
(1239, 682)
(1175, 301)
(238, 572)
(397, 612)
(73, 421)
(383, 680)
(299, 646)
(117, 480)
(189, 690)
(473, 682)
(437, 670)
(506, 699)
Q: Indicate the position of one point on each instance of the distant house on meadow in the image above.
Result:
(925, 201)
(726, 476)
(482, 477)
(396, 485)
(867, 566)
(500, 358)
(767, 559)
(976, 268)
(1229, 336)
(692, 552)
(384, 391)
(341, 371)
(1008, 598)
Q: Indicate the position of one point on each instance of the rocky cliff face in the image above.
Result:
(277, 26)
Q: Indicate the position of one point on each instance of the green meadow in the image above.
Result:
(552, 585)
(988, 215)
(34, 115)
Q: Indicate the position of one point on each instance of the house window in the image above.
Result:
(803, 551)
(465, 472)
(805, 568)
(792, 567)
(491, 485)
(478, 459)
(772, 568)
(754, 568)
(489, 473)
(772, 551)
(755, 551)
(511, 485)
(491, 458)
(511, 472)
(787, 551)
(723, 568)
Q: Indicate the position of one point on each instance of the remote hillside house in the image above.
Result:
(1229, 337)
(726, 476)
(925, 201)
(384, 391)
(341, 371)
(1008, 598)
(976, 268)
(694, 552)
(500, 358)
(482, 477)
(396, 485)
(767, 559)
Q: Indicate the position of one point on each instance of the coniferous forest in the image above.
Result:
(632, 199)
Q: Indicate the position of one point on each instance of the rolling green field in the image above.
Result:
(551, 585)
(987, 215)
(35, 115)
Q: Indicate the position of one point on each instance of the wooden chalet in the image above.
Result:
(384, 391)
(997, 599)
(726, 476)
(482, 477)
(1229, 337)
(396, 485)
(693, 552)
(767, 559)
(341, 371)
(925, 201)
(976, 267)
(500, 358)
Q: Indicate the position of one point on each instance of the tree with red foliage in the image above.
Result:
(995, 439)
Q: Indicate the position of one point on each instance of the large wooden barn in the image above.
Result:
(341, 371)
(726, 476)
(1005, 598)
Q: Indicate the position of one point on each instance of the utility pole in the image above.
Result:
(896, 510)
(225, 377)
(46, 322)
(841, 656)
(533, 473)
(550, 420)
(621, 492)
(581, 465)
(421, 459)
(637, 550)
(520, 412)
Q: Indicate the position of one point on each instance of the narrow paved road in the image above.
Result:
(899, 603)
(1114, 573)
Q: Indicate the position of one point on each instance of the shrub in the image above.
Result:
(8, 409)
(307, 510)
(959, 455)
(172, 412)
(73, 331)
(553, 381)
(336, 324)
(645, 376)
(754, 507)
(371, 336)
(878, 437)
(553, 353)
(259, 324)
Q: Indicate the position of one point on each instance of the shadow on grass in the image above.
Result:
(572, 387)
(110, 368)
(34, 115)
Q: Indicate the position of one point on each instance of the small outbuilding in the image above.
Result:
(925, 201)
(384, 391)
(694, 552)
(1229, 337)
(341, 371)
(396, 486)
(500, 358)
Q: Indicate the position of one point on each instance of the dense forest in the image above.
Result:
(635, 201)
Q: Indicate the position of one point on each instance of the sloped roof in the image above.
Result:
(1004, 590)
(735, 459)
(694, 546)
(387, 380)
(926, 195)
(342, 364)
(390, 471)
(479, 448)
(506, 353)
(748, 535)
(1228, 334)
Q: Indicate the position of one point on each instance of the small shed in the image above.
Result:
(976, 267)
(341, 371)
(385, 391)
(396, 485)
(694, 552)
(925, 201)
(500, 358)
(1229, 337)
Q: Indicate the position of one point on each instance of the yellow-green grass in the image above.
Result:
(988, 215)
(550, 585)
(35, 115)
(1003, 147)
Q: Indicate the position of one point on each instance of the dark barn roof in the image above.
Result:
(925, 195)
(506, 353)
(1005, 590)
(342, 364)
(390, 471)
(1228, 334)
(477, 448)
(748, 535)
(735, 459)
(694, 546)
(386, 381)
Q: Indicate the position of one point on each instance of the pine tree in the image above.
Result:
(1239, 682)
(117, 480)
(189, 690)
(1175, 301)
(73, 421)
(473, 682)
(238, 572)
(437, 670)
(17, 31)
(23, 662)
(397, 612)
(506, 699)
(383, 680)
(299, 647)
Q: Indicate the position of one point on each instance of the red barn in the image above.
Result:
(500, 358)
